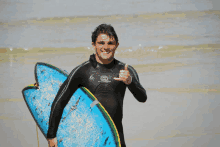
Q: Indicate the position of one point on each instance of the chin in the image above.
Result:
(105, 57)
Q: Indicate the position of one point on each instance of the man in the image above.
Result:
(106, 77)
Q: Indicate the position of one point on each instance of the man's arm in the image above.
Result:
(135, 86)
(63, 96)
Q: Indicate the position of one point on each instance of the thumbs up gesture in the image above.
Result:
(124, 76)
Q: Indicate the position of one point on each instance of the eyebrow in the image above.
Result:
(110, 42)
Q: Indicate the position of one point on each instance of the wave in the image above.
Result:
(118, 18)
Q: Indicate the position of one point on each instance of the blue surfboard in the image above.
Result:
(84, 122)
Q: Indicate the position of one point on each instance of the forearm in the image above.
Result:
(137, 90)
(135, 86)
(57, 111)
(63, 96)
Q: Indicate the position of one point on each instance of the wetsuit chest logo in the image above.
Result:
(104, 79)
(92, 78)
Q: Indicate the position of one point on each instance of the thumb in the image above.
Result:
(126, 66)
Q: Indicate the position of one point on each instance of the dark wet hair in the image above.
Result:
(106, 29)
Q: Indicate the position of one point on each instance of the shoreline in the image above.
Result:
(122, 52)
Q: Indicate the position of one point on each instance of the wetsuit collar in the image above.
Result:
(95, 63)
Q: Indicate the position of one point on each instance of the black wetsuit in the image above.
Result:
(98, 78)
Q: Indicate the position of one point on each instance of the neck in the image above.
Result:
(103, 61)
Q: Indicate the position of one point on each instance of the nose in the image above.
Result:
(106, 46)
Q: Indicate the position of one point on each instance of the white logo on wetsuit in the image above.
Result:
(91, 77)
(104, 79)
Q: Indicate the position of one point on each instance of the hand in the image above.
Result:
(124, 76)
(36, 85)
(52, 142)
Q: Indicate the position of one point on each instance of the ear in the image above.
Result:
(93, 45)
(116, 46)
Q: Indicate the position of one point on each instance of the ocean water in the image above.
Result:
(44, 23)
(150, 29)
(13, 10)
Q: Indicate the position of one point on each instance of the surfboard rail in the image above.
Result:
(83, 89)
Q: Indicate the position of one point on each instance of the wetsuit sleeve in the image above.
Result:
(135, 87)
(63, 96)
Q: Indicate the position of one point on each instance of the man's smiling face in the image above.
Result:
(105, 47)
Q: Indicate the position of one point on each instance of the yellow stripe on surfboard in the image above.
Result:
(107, 114)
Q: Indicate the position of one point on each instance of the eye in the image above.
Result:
(101, 43)
(111, 42)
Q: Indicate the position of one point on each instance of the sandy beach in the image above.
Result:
(182, 86)
(174, 47)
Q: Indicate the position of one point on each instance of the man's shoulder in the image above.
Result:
(122, 65)
(81, 66)
(86, 63)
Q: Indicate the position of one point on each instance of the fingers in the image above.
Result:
(52, 142)
(121, 78)
(118, 79)
(123, 74)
